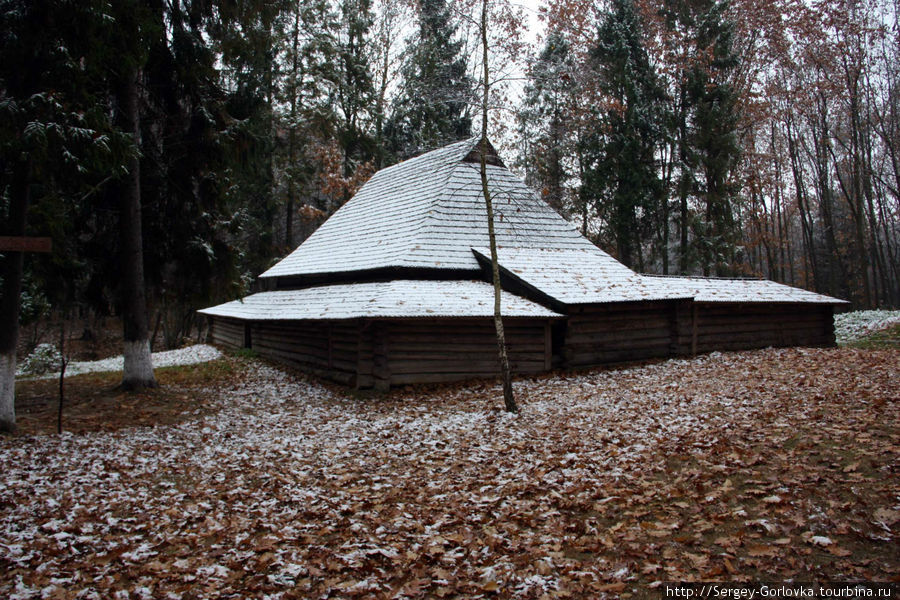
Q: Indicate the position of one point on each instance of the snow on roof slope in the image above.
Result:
(579, 276)
(378, 226)
(427, 212)
(713, 289)
(593, 277)
(398, 299)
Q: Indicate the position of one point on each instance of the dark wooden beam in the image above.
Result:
(25, 244)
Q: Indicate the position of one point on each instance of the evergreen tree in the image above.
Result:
(56, 144)
(715, 142)
(354, 88)
(545, 123)
(704, 124)
(207, 145)
(623, 174)
(433, 108)
(306, 52)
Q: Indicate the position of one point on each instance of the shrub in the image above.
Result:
(45, 358)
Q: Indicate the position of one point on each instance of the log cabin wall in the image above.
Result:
(226, 332)
(438, 350)
(383, 353)
(600, 334)
(380, 353)
(324, 348)
(725, 326)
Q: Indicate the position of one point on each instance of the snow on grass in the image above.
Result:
(851, 326)
(188, 355)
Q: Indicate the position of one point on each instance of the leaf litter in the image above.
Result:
(775, 464)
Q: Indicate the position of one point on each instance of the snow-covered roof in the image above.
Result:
(427, 212)
(397, 299)
(591, 276)
(714, 289)
(582, 276)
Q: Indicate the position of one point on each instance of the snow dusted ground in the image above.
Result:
(684, 469)
(854, 325)
(188, 355)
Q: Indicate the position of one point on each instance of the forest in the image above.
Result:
(173, 150)
(157, 155)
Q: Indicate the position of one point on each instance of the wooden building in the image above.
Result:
(394, 289)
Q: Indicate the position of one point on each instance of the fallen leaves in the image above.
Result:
(730, 466)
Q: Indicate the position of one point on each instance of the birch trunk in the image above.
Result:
(508, 398)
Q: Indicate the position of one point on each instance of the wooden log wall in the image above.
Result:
(748, 326)
(601, 334)
(609, 333)
(325, 348)
(428, 351)
(384, 353)
(226, 332)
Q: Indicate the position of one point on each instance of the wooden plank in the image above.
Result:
(25, 244)
(416, 378)
(673, 328)
(623, 322)
(548, 347)
(364, 356)
(656, 333)
(291, 356)
(694, 317)
(449, 338)
(382, 366)
(470, 366)
(466, 348)
(330, 346)
(616, 356)
(778, 339)
(300, 346)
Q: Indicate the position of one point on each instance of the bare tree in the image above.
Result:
(508, 397)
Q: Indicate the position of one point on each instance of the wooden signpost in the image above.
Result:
(25, 244)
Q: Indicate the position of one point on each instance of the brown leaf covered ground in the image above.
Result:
(775, 465)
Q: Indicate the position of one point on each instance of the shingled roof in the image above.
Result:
(427, 214)
(578, 276)
(385, 299)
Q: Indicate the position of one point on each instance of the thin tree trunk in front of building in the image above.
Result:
(508, 397)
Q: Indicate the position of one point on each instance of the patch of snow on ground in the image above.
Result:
(189, 355)
(857, 324)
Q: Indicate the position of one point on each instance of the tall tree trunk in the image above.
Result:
(837, 278)
(292, 137)
(138, 372)
(11, 273)
(683, 186)
(854, 191)
(806, 220)
(668, 165)
(508, 399)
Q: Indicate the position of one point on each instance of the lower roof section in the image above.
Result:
(713, 289)
(579, 276)
(590, 276)
(387, 299)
